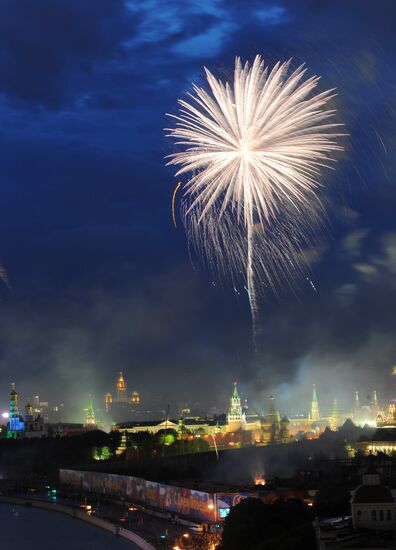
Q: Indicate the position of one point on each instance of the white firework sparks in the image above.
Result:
(253, 151)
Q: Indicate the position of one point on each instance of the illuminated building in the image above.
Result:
(274, 418)
(90, 415)
(135, 398)
(34, 425)
(28, 413)
(31, 426)
(16, 425)
(121, 406)
(274, 429)
(373, 504)
(311, 424)
(40, 407)
(236, 429)
(388, 420)
(122, 395)
(235, 417)
(284, 433)
(314, 415)
(108, 402)
(36, 404)
(383, 441)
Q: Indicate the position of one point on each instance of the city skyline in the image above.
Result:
(123, 405)
(99, 278)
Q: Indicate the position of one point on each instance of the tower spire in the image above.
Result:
(16, 425)
(235, 415)
(90, 414)
(122, 395)
(314, 413)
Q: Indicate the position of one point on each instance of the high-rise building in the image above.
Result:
(235, 417)
(108, 402)
(36, 404)
(135, 398)
(314, 415)
(122, 395)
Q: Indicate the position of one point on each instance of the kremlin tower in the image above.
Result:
(235, 417)
(90, 415)
(314, 415)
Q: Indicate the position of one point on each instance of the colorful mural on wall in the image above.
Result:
(197, 505)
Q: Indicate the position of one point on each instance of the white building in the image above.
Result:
(372, 504)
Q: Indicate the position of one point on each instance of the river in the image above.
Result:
(31, 529)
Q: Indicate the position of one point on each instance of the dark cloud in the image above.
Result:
(49, 49)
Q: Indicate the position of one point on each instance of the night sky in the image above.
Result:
(101, 281)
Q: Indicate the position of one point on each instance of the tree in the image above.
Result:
(332, 500)
(243, 527)
(253, 525)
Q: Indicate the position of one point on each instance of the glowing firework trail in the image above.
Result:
(173, 203)
(253, 150)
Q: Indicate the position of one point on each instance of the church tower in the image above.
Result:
(16, 425)
(235, 417)
(28, 413)
(122, 395)
(314, 415)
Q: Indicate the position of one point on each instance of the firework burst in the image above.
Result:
(252, 152)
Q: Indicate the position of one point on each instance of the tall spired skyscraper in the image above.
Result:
(314, 415)
(122, 395)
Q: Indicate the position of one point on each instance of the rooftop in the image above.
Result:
(371, 494)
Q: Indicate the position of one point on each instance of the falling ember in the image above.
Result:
(253, 153)
(173, 204)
